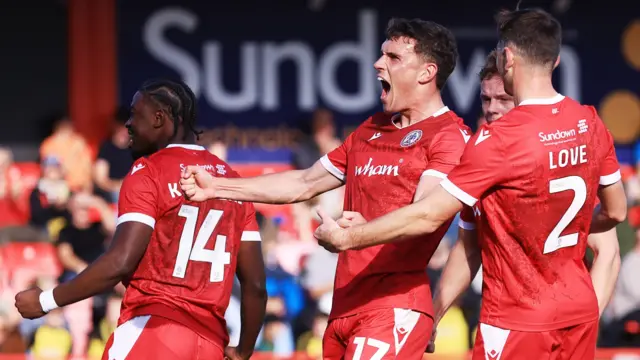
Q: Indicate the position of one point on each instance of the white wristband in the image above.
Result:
(47, 301)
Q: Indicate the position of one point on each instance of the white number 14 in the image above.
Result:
(218, 257)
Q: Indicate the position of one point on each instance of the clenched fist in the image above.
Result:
(197, 184)
(28, 303)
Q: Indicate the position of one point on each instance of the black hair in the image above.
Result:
(179, 100)
(534, 32)
(433, 41)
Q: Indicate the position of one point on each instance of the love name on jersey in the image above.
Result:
(568, 157)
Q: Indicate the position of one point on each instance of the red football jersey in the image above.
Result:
(536, 172)
(381, 166)
(188, 269)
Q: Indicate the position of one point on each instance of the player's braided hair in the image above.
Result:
(177, 99)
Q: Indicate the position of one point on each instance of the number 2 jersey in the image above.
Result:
(531, 179)
(188, 269)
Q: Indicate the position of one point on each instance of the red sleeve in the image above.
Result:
(335, 162)
(481, 167)
(610, 169)
(251, 230)
(467, 219)
(444, 153)
(138, 196)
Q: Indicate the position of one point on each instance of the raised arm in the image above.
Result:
(280, 188)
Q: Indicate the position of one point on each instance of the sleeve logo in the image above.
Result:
(484, 135)
(136, 168)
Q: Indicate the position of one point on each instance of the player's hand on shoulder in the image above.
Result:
(351, 218)
(28, 303)
(197, 184)
(232, 353)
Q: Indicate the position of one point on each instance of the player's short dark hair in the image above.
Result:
(535, 33)
(433, 41)
(490, 67)
(178, 98)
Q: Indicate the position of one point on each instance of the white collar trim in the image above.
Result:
(548, 101)
(186, 146)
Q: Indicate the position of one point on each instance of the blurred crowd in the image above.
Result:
(58, 215)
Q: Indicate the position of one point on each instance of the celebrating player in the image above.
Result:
(537, 172)
(382, 302)
(176, 258)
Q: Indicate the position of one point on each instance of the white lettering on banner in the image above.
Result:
(574, 156)
(371, 170)
(259, 78)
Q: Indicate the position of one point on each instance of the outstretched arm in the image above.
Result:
(280, 188)
(119, 261)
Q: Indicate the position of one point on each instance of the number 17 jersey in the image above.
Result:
(187, 271)
(532, 178)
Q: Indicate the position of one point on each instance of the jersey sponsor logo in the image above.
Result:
(484, 135)
(411, 138)
(565, 135)
(375, 136)
(371, 170)
(136, 168)
(582, 126)
(208, 167)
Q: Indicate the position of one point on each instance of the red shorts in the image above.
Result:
(153, 337)
(378, 334)
(572, 343)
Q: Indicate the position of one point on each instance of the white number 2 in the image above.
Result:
(218, 257)
(382, 347)
(554, 240)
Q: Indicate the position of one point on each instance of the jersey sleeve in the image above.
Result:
(467, 220)
(138, 196)
(482, 166)
(610, 169)
(335, 162)
(444, 153)
(251, 231)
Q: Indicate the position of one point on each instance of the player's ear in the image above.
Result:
(159, 118)
(427, 73)
(509, 58)
(555, 65)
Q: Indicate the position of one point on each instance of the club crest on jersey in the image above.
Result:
(411, 138)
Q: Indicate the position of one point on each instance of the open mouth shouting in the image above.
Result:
(386, 87)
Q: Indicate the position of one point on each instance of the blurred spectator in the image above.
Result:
(48, 200)
(73, 151)
(114, 158)
(82, 241)
(52, 340)
(311, 341)
(14, 212)
(106, 327)
(276, 337)
(318, 272)
(626, 296)
(219, 149)
(321, 139)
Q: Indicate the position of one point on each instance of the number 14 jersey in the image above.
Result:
(187, 271)
(532, 178)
